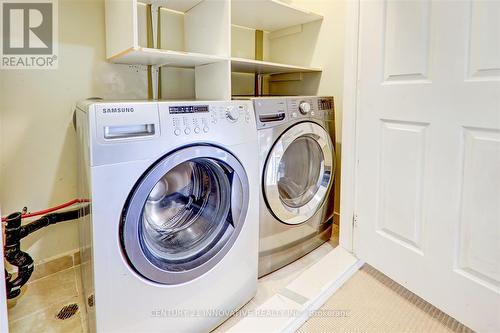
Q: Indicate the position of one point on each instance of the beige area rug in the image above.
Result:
(372, 302)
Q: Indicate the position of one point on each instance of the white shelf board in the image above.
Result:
(177, 5)
(159, 57)
(269, 15)
(242, 65)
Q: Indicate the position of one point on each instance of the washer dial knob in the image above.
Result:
(232, 114)
(304, 107)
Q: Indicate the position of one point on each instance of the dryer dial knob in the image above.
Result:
(304, 107)
(232, 114)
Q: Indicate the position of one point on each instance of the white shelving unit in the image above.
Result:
(206, 38)
(242, 65)
(276, 19)
(206, 41)
(156, 57)
(177, 5)
(269, 15)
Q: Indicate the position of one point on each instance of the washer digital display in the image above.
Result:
(188, 109)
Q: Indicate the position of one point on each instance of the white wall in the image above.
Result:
(37, 138)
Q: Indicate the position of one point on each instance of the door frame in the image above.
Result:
(349, 132)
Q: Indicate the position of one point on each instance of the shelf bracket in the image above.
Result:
(153, 41)
(158, 45)
(259, 55)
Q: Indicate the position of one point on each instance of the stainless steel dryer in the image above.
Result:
(297, 167)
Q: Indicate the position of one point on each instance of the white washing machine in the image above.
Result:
(171, 243)
(297, 167)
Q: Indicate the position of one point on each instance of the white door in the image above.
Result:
(428, 186)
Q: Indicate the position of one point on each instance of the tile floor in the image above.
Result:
(41, 300)
(36, 309)
(271, 284)
(375, 302)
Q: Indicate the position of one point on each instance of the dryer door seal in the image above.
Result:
(184, 214)
(299, 172)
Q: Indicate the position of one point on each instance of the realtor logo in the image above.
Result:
(29, 34)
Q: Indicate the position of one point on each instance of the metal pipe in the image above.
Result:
(14, 232)
(15, 256)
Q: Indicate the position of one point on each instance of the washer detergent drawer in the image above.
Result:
(126, 121)
(128, 131)
(124, 132)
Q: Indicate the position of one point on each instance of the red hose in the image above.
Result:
(49, 210)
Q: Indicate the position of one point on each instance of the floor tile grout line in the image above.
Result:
(50, 275)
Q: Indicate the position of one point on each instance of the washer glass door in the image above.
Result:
(185, 214)
(298, 173)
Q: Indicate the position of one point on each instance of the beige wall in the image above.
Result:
(320, 44)
(329, 55)
(36, 107)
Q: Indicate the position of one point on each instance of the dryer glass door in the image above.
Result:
(298, 173)
(185, 214)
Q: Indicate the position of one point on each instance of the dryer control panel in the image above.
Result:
(274, 111)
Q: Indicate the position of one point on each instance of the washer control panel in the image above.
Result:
(200, 119)
(136, 130)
